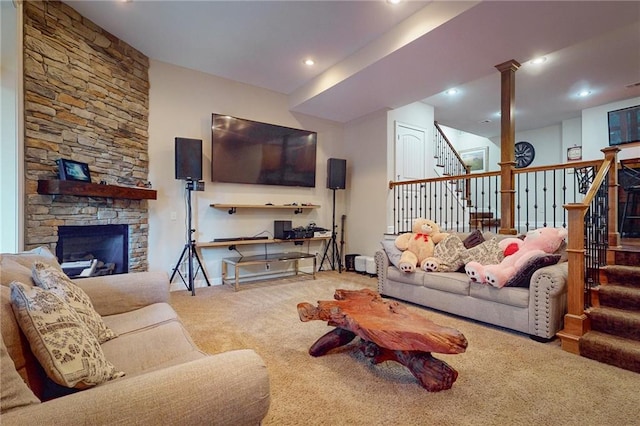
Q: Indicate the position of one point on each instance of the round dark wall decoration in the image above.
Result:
(524, 154)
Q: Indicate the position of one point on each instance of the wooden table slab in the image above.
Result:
(390, 332)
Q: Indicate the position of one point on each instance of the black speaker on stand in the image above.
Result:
(188, 163)
(336, 179)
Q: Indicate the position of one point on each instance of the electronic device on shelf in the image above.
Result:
(220, 240)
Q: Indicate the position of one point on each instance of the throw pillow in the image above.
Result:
(449, 253)
(49, 278)
(17, 266)
(14, 391)
(486, 253)
(393, 252)
(523, 277)
(69, 353)
(475, 238)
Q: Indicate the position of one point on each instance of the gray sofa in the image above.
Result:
(537, 310)
(168, 380)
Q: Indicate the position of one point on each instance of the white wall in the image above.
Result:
(571, 135)
(595, 131)
(365, 148)
(181, 104)
(11, 157)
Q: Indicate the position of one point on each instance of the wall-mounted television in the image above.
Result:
(246, 151)
(624, 125)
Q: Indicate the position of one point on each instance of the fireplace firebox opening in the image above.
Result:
(93, 250)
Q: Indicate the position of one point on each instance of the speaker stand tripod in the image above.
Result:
(190, 250)
(336, 256)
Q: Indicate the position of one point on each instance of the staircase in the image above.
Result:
(615, 317)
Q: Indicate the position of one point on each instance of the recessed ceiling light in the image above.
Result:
(540, 60)
(584, 93)
(309, 62)
(393, 1)
(451, 92)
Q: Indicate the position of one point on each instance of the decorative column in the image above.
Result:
(507, 141)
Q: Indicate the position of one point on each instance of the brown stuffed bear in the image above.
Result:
(419, 244)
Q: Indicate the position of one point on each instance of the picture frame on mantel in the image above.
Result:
(73, 170)
(475, 158)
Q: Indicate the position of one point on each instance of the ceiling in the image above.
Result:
(372, 55)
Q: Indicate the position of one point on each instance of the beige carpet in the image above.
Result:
(504, 378)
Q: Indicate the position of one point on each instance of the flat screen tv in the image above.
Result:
(246, 151)
(624, 125)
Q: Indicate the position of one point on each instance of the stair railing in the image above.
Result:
(449, 159)
(592, 228)
(540, 194)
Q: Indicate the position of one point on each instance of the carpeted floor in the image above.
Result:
(504, 378)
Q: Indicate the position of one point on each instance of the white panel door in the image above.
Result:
(410, 152)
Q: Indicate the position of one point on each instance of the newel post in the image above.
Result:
(507, 141)
(613, 237)
(576, 323)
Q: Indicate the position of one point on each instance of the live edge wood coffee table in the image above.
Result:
(390, 332)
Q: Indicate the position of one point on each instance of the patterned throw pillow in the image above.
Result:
(49, 278)
(449, 253)
(69, 353)
(487, 253)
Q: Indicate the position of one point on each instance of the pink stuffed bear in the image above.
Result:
(537, 242)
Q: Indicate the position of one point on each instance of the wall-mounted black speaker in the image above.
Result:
(188, 159)
(336, 173)
(281, 228)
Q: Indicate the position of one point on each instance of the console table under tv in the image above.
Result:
(267, 257)
(263, 259)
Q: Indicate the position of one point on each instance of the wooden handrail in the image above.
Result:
(393, 184)
(572, 165)
(576, 323)
(450, 146)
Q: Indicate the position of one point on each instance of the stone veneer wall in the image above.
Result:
(86, 96)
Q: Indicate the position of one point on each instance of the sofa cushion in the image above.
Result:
(451, 282)
(512, 296)
(414, 278)
(148, 348)
(14, 391)
(53, 279)
(17, 267)
(523, 277)
(140, 319)
(64, 346)
(393, 252)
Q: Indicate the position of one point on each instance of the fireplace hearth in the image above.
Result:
(93, 249)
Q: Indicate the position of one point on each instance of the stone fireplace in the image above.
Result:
(86, 98)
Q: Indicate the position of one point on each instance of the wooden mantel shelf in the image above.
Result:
(86, 189)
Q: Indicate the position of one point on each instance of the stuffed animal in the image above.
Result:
(419, 244)
(536, 243)
(451, 254)
(474, 268)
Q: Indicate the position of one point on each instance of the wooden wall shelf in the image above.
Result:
(86, 189)
(253, 242)
(232, 208)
